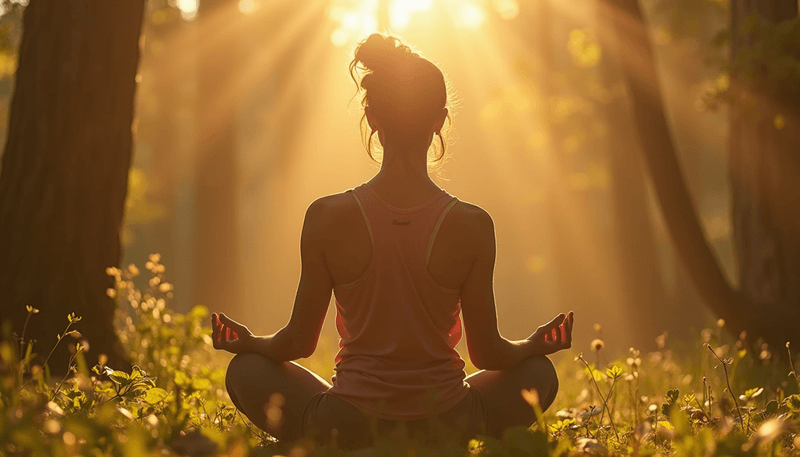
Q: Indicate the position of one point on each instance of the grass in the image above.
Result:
(721, 399)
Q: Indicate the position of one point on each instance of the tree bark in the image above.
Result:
(636, 56)
(764, 167)
(65, 169)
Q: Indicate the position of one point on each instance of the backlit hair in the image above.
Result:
(403, 89)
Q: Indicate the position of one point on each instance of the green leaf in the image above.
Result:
(614, 372)
(182, 380)
(201, 383)
(120, 377)
(793, 403)
(772, 408)
(198, 312)
(155, 395)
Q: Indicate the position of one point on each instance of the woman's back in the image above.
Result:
(397, 321)
(349, 247)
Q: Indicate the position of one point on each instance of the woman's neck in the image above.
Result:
(403, 178)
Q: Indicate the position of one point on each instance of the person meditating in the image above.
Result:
(404, 260)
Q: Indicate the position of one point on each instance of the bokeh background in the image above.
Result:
(246, 114)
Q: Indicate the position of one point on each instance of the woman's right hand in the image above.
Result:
(554, 335)
(229, 335)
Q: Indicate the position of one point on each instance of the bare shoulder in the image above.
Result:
(468, 229)
(475, 220)
(331, 211)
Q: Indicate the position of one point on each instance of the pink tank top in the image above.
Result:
(398, 326)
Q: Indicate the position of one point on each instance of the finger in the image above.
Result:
(568, 328)
(554, 334)
(555, 322)
(230, 322)
(215, 336)
(227, 333)
(563, 330)
(570, 321)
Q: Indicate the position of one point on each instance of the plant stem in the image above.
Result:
(64, 379)
(728, 382)
(60, 337)
(605, 402)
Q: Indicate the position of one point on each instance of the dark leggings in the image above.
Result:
(290, 402)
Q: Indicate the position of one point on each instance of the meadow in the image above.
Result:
(722, 397)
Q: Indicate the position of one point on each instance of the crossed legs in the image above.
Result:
(275, 397)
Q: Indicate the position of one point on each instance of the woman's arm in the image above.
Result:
(298, 338)
(487, 348)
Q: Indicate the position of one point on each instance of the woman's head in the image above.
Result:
(405, 94)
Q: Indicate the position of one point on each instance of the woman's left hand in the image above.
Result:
(230, 335)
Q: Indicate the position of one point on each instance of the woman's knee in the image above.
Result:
(539, 373)
(245, 367)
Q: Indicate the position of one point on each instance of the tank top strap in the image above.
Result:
(412, 227)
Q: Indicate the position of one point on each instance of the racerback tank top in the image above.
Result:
(398, 327)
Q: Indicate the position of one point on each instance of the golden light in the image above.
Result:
(355, 22)
(188, 9)
(469, 15)
(507, 9)
(401, 11)
(247, 6)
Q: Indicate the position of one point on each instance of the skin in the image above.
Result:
(335, 248)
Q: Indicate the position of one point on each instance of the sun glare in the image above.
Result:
(355, 22)
(469, 15)
(401, 11)
(188, 9)
(357, 19)
(248, 6)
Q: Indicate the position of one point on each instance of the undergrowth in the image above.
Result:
(723, 399)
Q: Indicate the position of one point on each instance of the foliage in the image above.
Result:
(769, 64)
(173, 401)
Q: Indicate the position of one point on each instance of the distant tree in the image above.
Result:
(65, 168)
(764, 162)
(770, 313)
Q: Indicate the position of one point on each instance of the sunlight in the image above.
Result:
(247, 6)
(188, 9)
(469, 15)
(355, 22)
(401, 11)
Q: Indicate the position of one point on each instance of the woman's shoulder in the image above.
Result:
(332, 210)
(470, 214)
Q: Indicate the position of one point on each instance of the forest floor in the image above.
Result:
(722, 398)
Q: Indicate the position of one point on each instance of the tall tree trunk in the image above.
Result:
(65, 169)
(635, 53)
(764, 167)
(216, 264)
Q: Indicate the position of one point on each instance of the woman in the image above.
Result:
(403, 258)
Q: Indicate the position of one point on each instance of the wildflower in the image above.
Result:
(598, 328)
(531, 396)
(111, 292)
(597, 344)
(133, 270)
(721, 323)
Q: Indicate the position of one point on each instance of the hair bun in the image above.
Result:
(380, 52)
